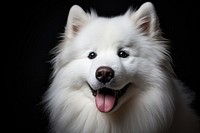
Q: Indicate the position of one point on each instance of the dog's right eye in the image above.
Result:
(92, 55)
(123, 54)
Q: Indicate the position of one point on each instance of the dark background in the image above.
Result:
(34, 28)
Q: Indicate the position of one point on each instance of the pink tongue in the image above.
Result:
(104, 103)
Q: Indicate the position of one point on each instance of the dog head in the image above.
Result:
(112, 57)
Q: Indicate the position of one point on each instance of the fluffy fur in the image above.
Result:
(132, 47)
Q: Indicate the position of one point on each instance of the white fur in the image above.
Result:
(154, 103)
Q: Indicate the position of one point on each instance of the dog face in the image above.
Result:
(110, 58)
(113, 57)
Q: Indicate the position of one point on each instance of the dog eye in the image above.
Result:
(92, 55)
(123, 54)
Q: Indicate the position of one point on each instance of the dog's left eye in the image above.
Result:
(123, 54)
(92, 55)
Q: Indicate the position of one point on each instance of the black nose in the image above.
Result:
(104, 74)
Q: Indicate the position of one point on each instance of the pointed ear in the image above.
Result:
(146, 20)
(77, 18)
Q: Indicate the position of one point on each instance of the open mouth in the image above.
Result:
(106, 99)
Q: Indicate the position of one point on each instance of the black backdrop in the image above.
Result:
(34, 28)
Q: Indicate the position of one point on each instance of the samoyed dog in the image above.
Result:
(114, 75)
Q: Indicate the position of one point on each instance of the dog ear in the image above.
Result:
(146, 20)
(77, 18)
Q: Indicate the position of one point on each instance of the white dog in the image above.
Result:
(113, 75)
